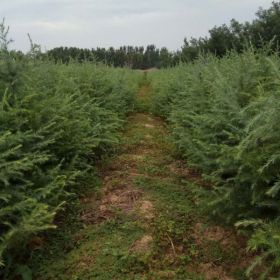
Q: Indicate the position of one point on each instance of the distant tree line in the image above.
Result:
(263, 31)
(126, 56)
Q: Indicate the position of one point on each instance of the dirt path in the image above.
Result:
(144, 222)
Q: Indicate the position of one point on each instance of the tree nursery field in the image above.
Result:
(118, 171)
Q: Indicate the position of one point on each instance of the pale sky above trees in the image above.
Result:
(104, 23)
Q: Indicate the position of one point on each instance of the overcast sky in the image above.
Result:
(92, 23)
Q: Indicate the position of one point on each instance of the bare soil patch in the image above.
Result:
(142, 245)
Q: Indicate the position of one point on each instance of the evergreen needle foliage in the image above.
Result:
(56, 120)
(224, 115)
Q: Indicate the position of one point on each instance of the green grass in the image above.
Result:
(99, 252)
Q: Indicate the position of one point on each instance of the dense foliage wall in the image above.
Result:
(224, 116)
(126, 56)
(56, 120)
(264, 29)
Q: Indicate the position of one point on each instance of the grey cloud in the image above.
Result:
(91, 23)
